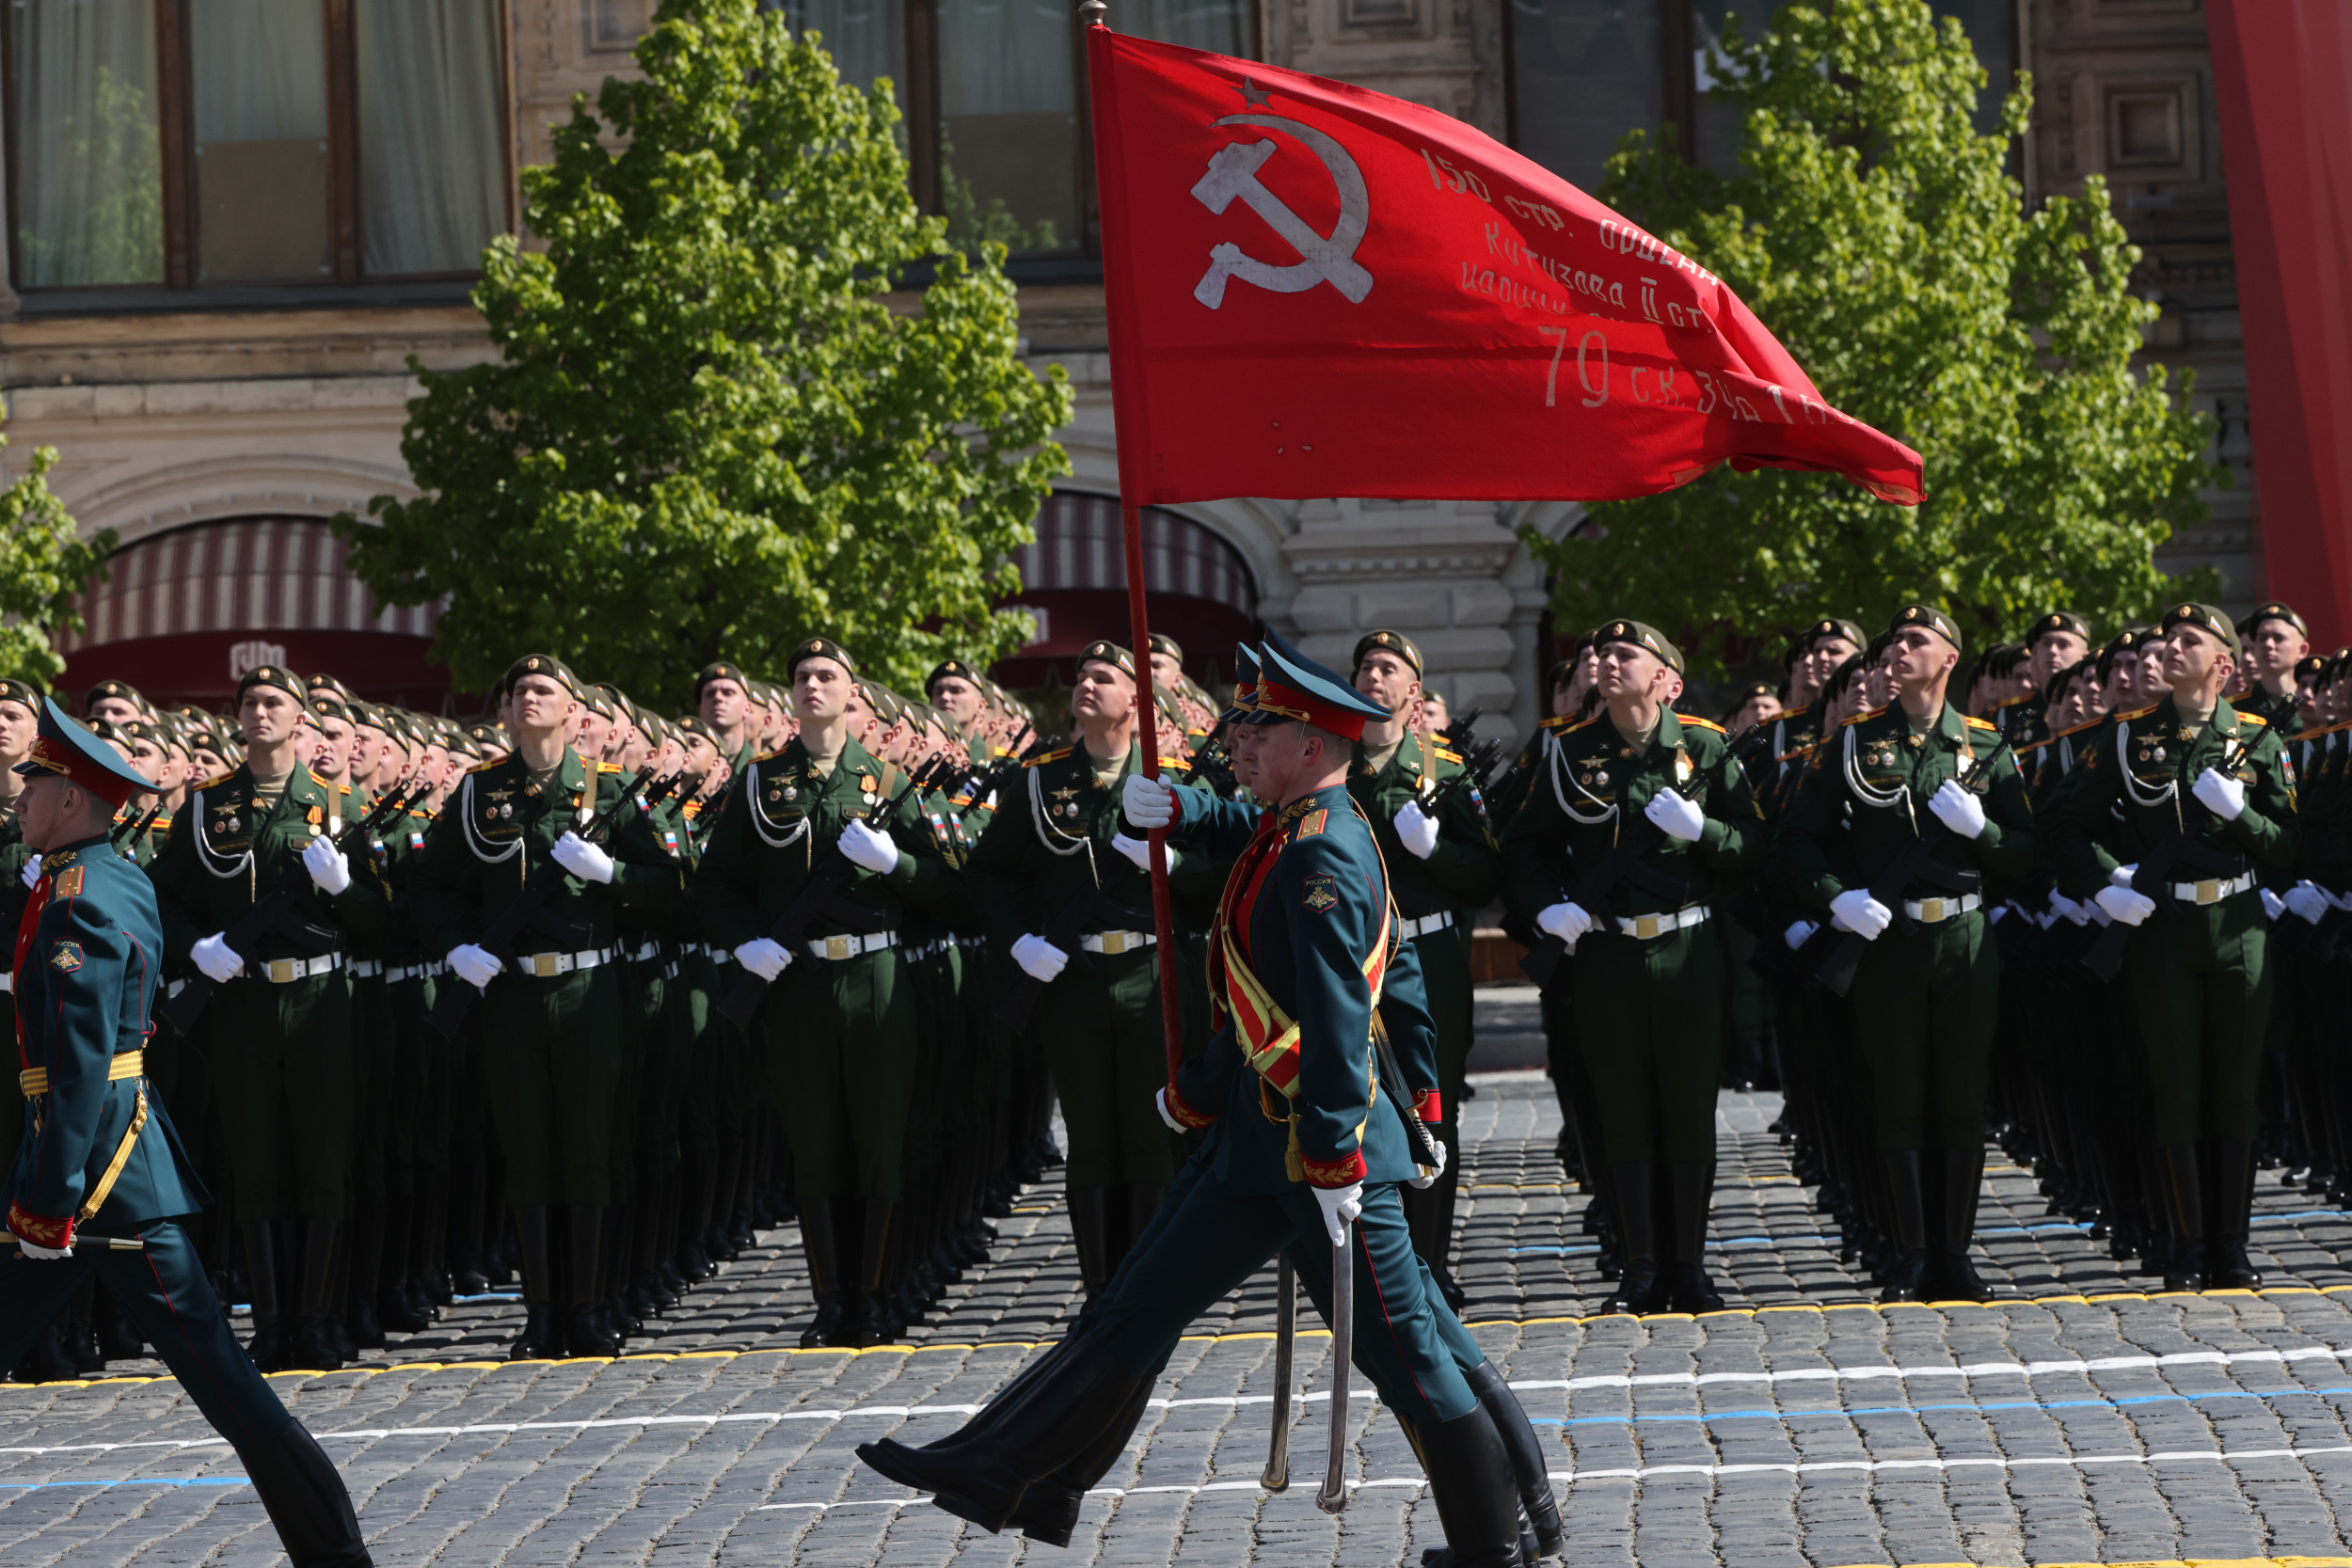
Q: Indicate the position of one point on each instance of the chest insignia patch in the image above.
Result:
(66, 956)
(1322, 892)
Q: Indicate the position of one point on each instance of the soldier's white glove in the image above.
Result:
(1799, 933)
(1425, 1177)
(1677, 814)
(1855, 910)
(867, 848)
(764, 957)
(1568, 921)
(1149, 802)
(2061, 904)
(327, 867)
(2122, 875)
(1139, 851)
(1958, 808)
(2305, 899)
(1160, 1100)
(588, 861)
(1040, 960)
(2124, 904)
(476, 966)
(216, 959)
(2220, 794)
(2273, 906)
(30, 876)
(42, 1254)
(1340, 1205)
(1416, 830)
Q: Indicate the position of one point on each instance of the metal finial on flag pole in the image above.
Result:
(1091, 12)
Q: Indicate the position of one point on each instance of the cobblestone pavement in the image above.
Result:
(2077, 1420)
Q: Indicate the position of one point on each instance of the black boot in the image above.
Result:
(865, 1325)
(2231, 1178)
(1065, 1417)
(400, 1306)
(44, 1359)
(1048, 1510)
(585, 1332)
(268, 1345)
(313, 1347)
(1640, 1287)
(1470, 1481)
(1951, 1275)
(305, 1498)
(366, 1242)
(1907, 1208)
(824, 1271)
(1527, 1456)
(2184, 1208)
(539, 1341)
(1692, 1185)
(1089, 1236)
(118, 1339)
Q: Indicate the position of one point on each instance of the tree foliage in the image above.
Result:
(1881, 236)
(706, 434)
(44, 567)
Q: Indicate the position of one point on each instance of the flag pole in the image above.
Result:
(1091, 12)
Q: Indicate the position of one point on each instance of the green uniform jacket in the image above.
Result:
(2100, 821)
(228, 851)
(1835, 837)
(1594, 773)
(1462, 872)
(498, 827)
(85, 981)
(781, 814)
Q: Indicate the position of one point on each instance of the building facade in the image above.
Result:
(232, 224)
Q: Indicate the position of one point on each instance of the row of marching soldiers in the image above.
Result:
(2059, 889)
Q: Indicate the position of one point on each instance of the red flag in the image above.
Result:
(1319, 290)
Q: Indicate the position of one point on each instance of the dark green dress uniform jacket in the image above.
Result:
(1592, 770)
(2097, 823)
(1462, 872)
(1309, 932)
(85, 977)
(498, 827)
(1835, 838)
(228, 851)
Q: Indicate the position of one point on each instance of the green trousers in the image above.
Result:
(282, 1063)
(1649, 1029)
(2200, 984)
(841, 1063)
(551, 1068)
(1106, 1050)
(1924, 1004)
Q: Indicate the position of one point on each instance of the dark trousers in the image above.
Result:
(1924, 1004)
(841, 1064)
(282, 1066)
(551, 1064)
(2200, 982)
(1104, 1041)
(1649, 1023)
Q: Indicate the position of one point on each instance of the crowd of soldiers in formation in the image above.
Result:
(918, 876)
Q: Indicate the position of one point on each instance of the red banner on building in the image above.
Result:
(1319, 290)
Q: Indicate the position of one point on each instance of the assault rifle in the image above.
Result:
(2104, 955)
(819, 895)
(1915, 863)
(1064, 932)
(130, 827)
(273, 913)
(1623, 864)
(529, 908)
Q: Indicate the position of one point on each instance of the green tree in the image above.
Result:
(44, 566)
(706, 432)
(1882, 238)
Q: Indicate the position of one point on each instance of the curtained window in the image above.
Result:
(432, 179)
(89, 193)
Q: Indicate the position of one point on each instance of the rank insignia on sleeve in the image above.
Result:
(66, 955)
(1322, 892)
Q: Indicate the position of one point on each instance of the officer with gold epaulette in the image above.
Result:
(1917, 782)
(841, 1019)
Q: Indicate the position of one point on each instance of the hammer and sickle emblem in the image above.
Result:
(1233, 172)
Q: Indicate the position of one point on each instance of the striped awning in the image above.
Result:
(250, 574)
(1079, 545)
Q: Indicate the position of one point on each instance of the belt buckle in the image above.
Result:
(1647, 926)
(543, 966)
(2209, 891)
(284, 971)
(1933, 911)
(1114, 943)
(836, 947)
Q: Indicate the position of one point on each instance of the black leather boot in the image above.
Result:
(1089, 1236)
(586, 1331)
(305, 1498)
(2184, 1208)
(1640, 1285)
(118, 1338)
(539, 1341)
(366, 1243)
(1692, 1185)
(313, 1347)
(1951, 1274)
(824, 1271)
(1471, 1480)
(2229, 1177)
(1065, 1418)
(1048, 1510)
(1526, 1453)
(863, 1324)
(1907, 1210)
(45, 1360)
(268, 1345)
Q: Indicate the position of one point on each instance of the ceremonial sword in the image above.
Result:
(1333, 1496)
(1277, 1477)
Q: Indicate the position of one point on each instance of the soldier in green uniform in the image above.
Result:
(1648, 991)
(550, 1021)
(96, 1150)
(1444, 867)
(1057, 859)
(2207, 791)
(2277, 642)
(279, 1027)
(722, 697)
(1926, 992)
(841, 1019)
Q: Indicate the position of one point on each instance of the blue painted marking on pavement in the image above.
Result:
(1843, 1413)
(128, 1480)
